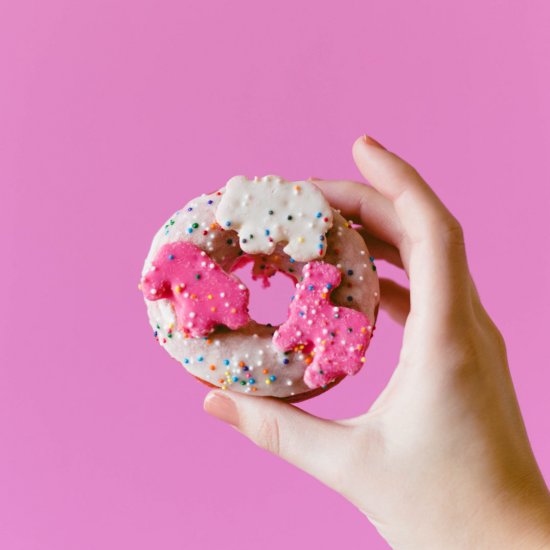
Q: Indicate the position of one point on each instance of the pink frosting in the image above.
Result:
(334, 339)
(202, 293)
(264, 267)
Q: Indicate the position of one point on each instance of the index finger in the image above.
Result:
(433, 243)
(364, 205)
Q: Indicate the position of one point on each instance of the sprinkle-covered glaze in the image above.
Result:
(202, 294)
(246, 360)
(269, 210)
(334, 338)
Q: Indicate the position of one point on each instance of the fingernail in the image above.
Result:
(371, 141)
(221, 406)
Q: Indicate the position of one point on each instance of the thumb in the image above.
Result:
(313, 444)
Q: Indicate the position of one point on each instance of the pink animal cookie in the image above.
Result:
(337, 337)
(202, 293)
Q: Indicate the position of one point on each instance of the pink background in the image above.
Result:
(112, 115)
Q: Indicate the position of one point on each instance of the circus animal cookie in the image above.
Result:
(202, 293)
(271, 210)
(197, 306)
(336, 337)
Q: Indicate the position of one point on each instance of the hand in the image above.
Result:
(441, 459)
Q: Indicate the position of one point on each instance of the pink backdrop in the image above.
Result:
(113, 113)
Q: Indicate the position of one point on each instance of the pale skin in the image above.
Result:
(441, 460)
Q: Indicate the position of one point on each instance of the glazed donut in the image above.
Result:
(198, 308)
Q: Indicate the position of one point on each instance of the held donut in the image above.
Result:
(198, 308)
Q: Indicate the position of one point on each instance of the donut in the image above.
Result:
(198, 307)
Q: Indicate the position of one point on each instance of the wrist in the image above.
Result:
(525, 521)
(515, 517)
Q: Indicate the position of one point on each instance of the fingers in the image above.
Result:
(395, 299)
(433, 246)
(308, 442)
(400, 183)
(381, 250)
(380, 227)
(363, 205)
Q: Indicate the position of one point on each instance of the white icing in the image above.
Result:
(167, 313)
(270, 210)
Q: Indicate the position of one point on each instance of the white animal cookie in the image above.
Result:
(270, 210)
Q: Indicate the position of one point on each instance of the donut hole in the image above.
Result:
(268, 304)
